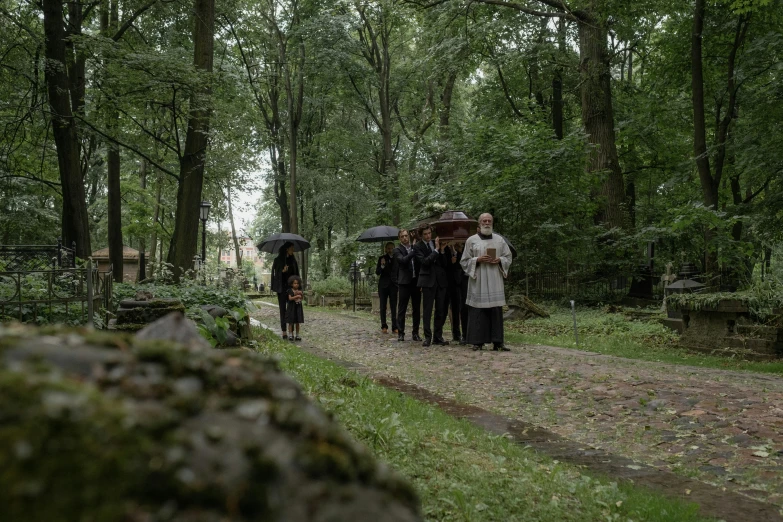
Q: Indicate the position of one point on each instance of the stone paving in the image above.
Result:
(722, 427)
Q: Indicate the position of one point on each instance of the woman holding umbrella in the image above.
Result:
(283, 267)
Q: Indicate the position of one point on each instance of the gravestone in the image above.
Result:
(134, 314)
(727, 327)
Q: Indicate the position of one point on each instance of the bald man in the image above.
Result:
(486, 260)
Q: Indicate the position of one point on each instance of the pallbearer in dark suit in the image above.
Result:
(433, 282)
(456, 298)
(405, 276)
(463, 295)
(387, 290)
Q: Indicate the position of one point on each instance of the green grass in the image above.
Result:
(615, 334)
(461, 471)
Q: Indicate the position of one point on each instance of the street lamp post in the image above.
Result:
(204, 215)
(354, 272)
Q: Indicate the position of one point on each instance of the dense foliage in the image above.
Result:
(346, 115)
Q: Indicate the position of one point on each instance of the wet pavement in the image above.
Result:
(654, 423)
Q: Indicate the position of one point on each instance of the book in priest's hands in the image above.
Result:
(492, 252)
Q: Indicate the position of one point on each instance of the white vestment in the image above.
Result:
(485, 280)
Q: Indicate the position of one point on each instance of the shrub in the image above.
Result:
(333, 285)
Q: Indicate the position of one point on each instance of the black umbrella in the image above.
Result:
(510, 247)
(378, 234)
(273, 243)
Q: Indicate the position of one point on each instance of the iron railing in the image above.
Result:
(56, 295)
(37, 257)
(561, 284)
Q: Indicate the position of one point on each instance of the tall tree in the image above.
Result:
(65, 93)
(184, 239)
(596, 97)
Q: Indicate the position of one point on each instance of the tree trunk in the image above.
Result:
(114, 210)
(114, 199)
(710, 181)
(155, 217)
(233, 228)
(184, 239)
(444, 129)
(557, 104)
(598, 120)
(295, 99)
(557, 83)
(709, 188)
(75, 227)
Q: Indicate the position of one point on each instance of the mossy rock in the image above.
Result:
(106, 427)
(145, 315)
(160, 302)
(131, 327)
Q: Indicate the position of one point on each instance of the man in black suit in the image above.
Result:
(405, 276)
(433, 282)
(456, 298)
(387, 290)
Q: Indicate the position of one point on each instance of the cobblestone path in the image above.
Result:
(722, 427)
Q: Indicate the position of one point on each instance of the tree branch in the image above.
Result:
(126, 146)
(129, 22)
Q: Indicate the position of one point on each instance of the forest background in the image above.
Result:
(587, 127)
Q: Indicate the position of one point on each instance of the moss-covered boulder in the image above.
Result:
(134, 314)
(106, 427)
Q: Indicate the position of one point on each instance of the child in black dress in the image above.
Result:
(293, 313)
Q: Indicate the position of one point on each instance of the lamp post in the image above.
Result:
(354, 271)
(204, 215)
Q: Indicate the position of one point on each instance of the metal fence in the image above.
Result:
(561, 284)
(69, 295)
(36, 257)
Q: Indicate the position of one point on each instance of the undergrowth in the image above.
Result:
(635, 334)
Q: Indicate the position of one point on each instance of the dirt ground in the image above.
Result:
(721, 427)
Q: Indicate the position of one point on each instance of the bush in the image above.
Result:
(333, 285)
(193, 296)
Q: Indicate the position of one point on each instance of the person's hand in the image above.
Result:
(437, 244)
(484, 259)
(383, 261)
(285, 268)
(495, 260)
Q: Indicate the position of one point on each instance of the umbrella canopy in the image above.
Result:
(510, 247)
(273, 243)
(378, 234)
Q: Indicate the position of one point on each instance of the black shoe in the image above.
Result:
(401, 337)
(426, 342)
(477, 347)
(500, 347)
(441, 342)
(463, 341)
(416, 337)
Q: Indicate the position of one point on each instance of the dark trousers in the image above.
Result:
(282, 302)
(437, 296)
(456, 302)
(485, 325)
(407, 293)
(463, 312)
(390, 294)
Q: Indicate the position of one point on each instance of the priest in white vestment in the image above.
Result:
(486, 295)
